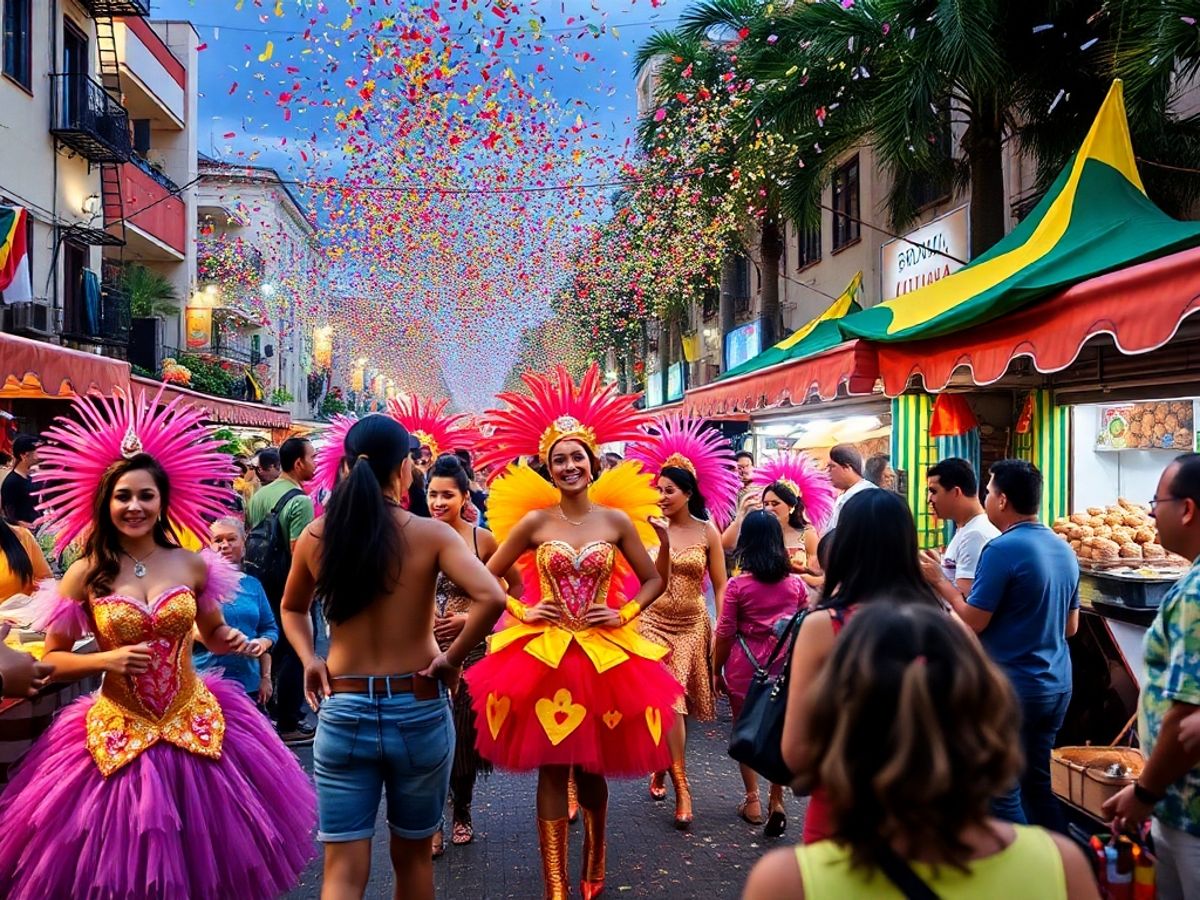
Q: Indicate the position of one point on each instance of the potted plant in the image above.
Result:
(152, 297)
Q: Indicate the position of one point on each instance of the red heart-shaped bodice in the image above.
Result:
(576, 578)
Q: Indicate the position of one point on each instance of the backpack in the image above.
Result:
(269, 551)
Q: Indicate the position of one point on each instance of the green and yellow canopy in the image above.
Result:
(1095, 218)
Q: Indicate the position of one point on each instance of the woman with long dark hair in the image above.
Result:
(449, 495)
(163, 783)
(911, 731)
(873, 560)
(22, 564)
(383, 695)
(758, 601)
(695, 471)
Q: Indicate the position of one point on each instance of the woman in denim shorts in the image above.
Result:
(384, 721)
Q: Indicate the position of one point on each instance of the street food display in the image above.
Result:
(1118, 536)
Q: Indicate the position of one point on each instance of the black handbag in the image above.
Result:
(757, 738)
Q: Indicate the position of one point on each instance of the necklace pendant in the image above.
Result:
(139, 570)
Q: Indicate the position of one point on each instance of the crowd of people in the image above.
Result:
(567, 616)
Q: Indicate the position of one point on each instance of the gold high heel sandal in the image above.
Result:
(683, 795)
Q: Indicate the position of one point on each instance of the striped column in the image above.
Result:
(914, 451)
(1048, 446)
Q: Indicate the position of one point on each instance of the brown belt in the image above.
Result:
(420, 686)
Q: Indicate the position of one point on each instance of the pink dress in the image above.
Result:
(755, 611)
(159, 785)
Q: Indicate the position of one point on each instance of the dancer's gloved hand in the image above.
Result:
(316, 682)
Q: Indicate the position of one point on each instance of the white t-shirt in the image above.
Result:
(859, 487)
(962, 556)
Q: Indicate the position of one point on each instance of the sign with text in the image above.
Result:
(926, 255)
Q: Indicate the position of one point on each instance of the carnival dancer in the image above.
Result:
(695, 472)
(163, 784)
(571, 682)
(384, 712)
(801, 497)
(449, 494)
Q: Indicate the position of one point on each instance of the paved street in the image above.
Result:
(647, 857)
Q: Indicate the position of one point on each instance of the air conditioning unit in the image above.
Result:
(35, 317)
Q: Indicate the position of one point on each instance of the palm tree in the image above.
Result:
(694, 72)
(900, 73)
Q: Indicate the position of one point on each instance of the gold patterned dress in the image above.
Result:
(679, 620)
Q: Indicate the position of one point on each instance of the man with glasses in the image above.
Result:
(1169, 787)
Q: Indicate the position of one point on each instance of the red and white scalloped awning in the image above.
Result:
(39, 370)
(221, 411)
(1140, 307)
(851, 366)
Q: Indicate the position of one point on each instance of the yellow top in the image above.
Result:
(9, 582)
(1030, 864)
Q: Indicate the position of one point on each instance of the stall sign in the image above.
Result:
(743, 343)
(676, 381)
(1153, 425)
(925, 255)
(654, 389)
(199, 327)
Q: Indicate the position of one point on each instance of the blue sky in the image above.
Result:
(272, 83)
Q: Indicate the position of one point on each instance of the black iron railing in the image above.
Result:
(86, 118)
(117, 7)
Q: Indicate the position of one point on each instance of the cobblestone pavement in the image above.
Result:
(647, 857)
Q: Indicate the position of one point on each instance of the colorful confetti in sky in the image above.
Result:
(456, 157)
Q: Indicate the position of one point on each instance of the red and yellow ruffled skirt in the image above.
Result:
(600, 699)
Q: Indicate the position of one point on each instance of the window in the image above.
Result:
(810, 246)
(18, 41)
(926, 190)
(846, 226)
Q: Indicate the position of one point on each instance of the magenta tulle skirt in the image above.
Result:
(170, 824)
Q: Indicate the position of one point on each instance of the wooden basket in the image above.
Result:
(1079, 776)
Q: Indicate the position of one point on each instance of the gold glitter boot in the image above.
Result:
(594, 850)
(552, 835)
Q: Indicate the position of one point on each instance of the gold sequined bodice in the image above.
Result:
(683, 601)
(575, 579)
(168, 701)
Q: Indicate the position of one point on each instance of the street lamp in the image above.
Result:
(267, 289)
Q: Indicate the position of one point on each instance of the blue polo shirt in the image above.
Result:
(1028, 579)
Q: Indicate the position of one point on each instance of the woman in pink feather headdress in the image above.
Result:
(801, 497)
(163, 784)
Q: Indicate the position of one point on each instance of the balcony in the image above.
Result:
(88, 120)
(103, 324)
(153, 80)
(99, 8)
(156, 223)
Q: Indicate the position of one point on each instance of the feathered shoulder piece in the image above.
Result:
(329, 459)
(556, 409)
(429, 423)
(521, 490)
(102, 431)
(689, 444)
(798, 473)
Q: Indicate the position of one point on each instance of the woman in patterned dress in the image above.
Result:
(448, 496)
(679, 618)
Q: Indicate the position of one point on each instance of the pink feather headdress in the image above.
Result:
(557, 409)
(329, 460)
(106, 430)
(691, 445)
(798, 472)
(427, 421)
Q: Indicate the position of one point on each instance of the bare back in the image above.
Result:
(394, 634)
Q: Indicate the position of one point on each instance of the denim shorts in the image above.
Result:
(366, 743)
